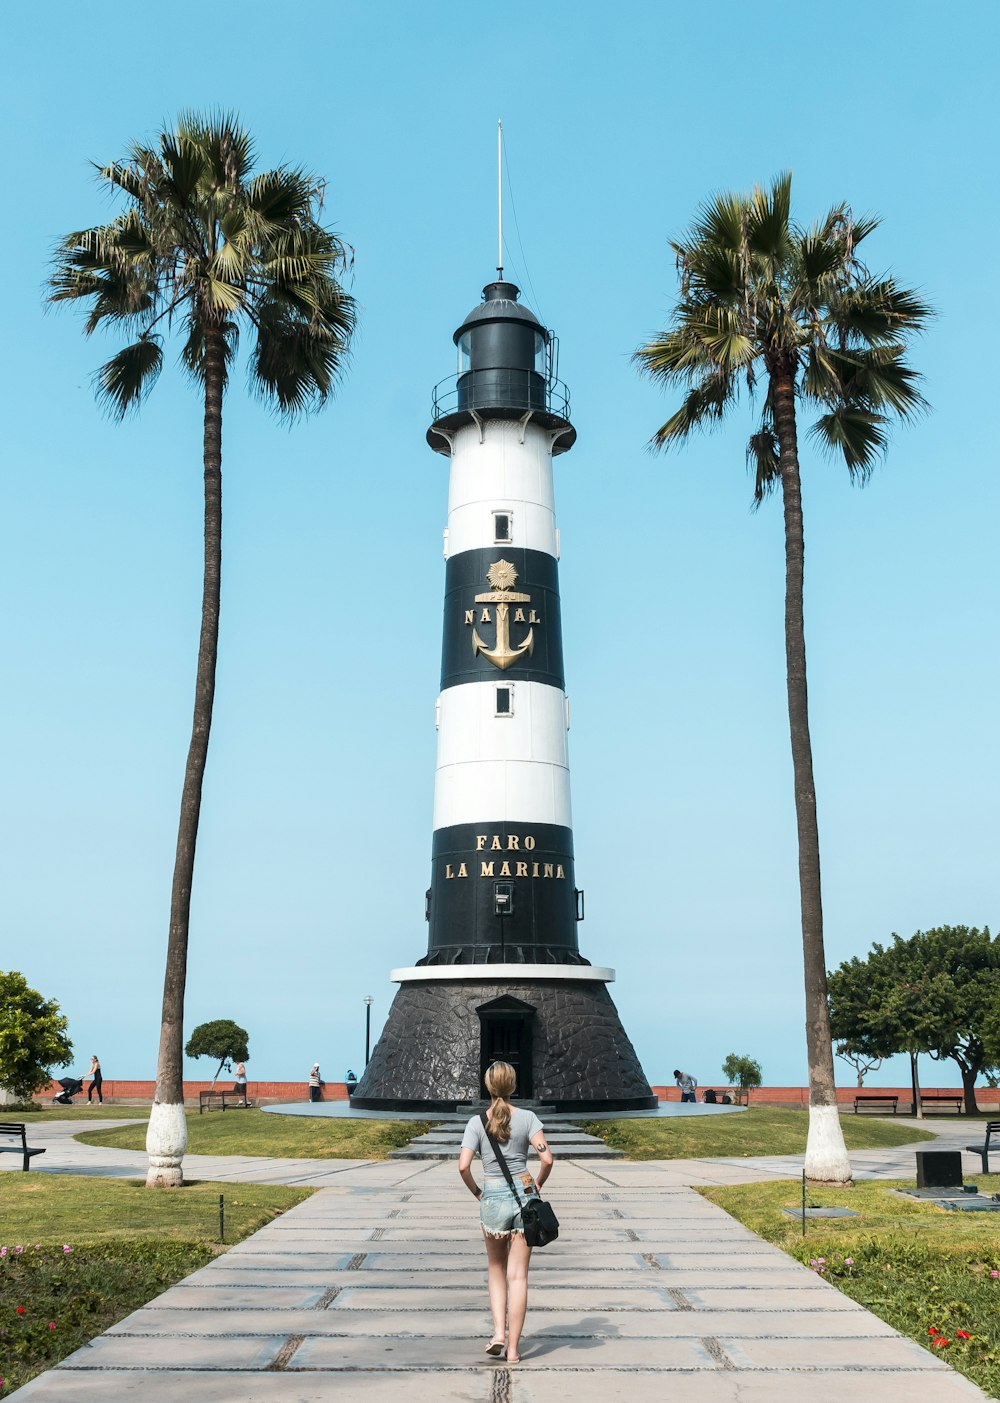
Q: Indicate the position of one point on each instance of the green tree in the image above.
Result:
(206, 248)
(795, 316)
(32, 1037)
(743, 1072)
(937, 992)
(221, 1039)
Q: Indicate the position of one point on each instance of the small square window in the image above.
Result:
(505, 701)
(501, 527)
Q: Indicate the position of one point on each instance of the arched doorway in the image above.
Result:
(505, 1035)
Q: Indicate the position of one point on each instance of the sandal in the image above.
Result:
(495, 1347)
(512, 1358)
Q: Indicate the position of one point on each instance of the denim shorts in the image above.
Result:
(499, 1210)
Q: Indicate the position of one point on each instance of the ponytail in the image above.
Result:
(500, 1082)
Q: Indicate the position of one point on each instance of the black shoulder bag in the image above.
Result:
(541, 1226)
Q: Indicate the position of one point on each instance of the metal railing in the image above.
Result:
(501, 388)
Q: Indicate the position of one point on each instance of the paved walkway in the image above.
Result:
(374, 1289)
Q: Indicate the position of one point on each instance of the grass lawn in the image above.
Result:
(38, 1115)
(79, 1253)
(759, 1130)
(928, 1272)
(254, 1132)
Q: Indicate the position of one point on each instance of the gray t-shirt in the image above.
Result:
(523, 1125)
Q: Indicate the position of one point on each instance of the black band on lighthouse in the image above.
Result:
(511, 629)
(474, 866)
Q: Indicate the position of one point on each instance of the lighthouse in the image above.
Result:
(503, 976)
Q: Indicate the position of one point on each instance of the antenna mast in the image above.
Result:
(500, 198)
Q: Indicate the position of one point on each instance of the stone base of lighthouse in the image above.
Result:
(563, 1034)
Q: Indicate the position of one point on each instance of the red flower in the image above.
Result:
(962, 1335)
(933, 1330)
(20, 1310)
(941, 1342)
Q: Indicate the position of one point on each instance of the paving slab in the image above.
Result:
(373, 1291)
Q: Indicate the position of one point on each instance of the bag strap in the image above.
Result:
(498, 1153)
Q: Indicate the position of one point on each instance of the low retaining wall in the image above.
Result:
(987, 1097)
(141, 1092)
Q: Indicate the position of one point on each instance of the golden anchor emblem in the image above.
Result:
(502, 576)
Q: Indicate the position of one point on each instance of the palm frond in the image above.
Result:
(768, 219)
(880, 379)
(295, 362)
(278, 196)
(124, 381)
(878, 310)
(185, 166)
(704, 406)
(721, 223)
(676, 355)
(764, 458)
(858, 435)
(821, 258)
(226, 147)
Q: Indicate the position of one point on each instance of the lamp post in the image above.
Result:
(368, 1026)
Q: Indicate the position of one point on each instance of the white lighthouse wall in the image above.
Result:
(513, 791)
(496, 471)
(513, 767)
(470, 729)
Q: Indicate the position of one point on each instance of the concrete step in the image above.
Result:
(554, 1137)
(567, 1141)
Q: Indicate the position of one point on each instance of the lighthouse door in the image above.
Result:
(505, 1036)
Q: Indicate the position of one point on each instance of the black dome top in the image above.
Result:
(500, 304)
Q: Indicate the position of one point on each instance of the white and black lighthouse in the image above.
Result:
(503, 976)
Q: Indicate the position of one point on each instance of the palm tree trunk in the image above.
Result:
(826, 1154)
(167, 1136)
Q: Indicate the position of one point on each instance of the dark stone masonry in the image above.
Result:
(430, 1054)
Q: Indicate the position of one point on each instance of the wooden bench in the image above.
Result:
(992, 1128)
(928, 1099)
(18, 1130)
(871, 1099)
(220, 1099)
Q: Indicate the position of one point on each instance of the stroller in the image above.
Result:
(71, 1086)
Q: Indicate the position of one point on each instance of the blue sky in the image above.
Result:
(315, 843)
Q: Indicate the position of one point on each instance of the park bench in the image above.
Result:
(872, 1100)
(18, 1130)
(992, 1128)
(929, 1099)
(221, 1100)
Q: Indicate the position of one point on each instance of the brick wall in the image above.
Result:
(987, 1097)
(142, 1091)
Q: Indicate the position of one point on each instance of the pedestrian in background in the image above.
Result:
(241, 1081)
(315, 1083)
(98, 1080)
(687, 1084)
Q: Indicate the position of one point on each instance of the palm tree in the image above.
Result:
(798, 317)
(206, 248)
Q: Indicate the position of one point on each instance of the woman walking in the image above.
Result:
(507, 1254)
(98, 1079)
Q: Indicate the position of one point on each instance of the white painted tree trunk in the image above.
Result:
(826, 1154)
(166, 1141)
